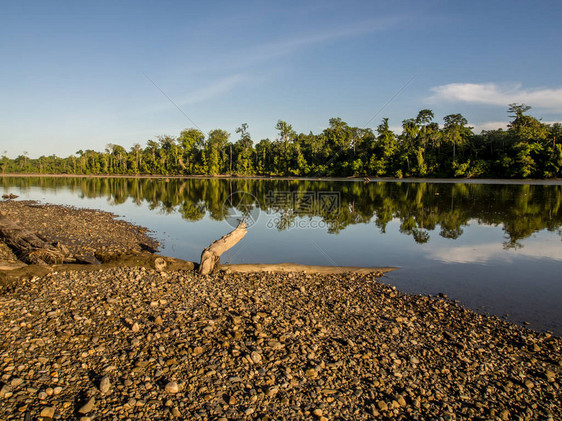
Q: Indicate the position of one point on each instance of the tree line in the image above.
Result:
(528, 148)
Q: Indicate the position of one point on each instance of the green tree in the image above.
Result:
(215, 152)
(244, 151)
(191, 141)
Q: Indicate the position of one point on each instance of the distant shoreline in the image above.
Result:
(553, 181)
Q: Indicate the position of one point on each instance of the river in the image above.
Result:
(493, 246)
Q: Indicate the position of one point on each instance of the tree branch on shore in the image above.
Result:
(210, 257)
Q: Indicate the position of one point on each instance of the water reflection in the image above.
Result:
(422, 209)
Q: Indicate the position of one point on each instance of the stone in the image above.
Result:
(160, 264)
(88, 406)
(256, 357)
(172, 387)
(16, 382)
(105, 384)
(382, 405)
(4, 391)
(47, 412)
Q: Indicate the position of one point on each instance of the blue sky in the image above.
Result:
(79, 75)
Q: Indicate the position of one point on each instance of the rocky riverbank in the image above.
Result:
(83, 231)
(138, 343)
(141, 344)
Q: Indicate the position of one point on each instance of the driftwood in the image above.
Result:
(293, 267)
(210, 258)
(30, 247)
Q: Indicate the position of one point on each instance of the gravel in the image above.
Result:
(124, 344)
(85, 232)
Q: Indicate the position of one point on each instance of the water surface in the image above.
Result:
(494, 247)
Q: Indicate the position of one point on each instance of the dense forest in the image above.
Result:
(527, 149)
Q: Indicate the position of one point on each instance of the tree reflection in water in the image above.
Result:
(421, 208)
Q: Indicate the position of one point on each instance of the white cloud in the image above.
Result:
(494, 125)
(490, 125)
(495, 94)
(480, 253)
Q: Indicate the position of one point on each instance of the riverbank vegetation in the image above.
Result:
(424, 148)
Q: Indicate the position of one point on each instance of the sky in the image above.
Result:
(79, 75)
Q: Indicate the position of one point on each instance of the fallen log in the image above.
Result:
(31, 247)
(210, 257)
(293, 267)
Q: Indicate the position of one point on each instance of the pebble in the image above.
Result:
(256, 357)
(47, 412)
(105, 384)
(252, 346)
(88, 406)
(172, 387)
(16, 382)
(4, 391)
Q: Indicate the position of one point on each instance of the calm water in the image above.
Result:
(494, 247)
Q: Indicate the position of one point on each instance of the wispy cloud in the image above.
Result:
(332, 34)
(275, 49)
(496, 94)
(215, 89)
